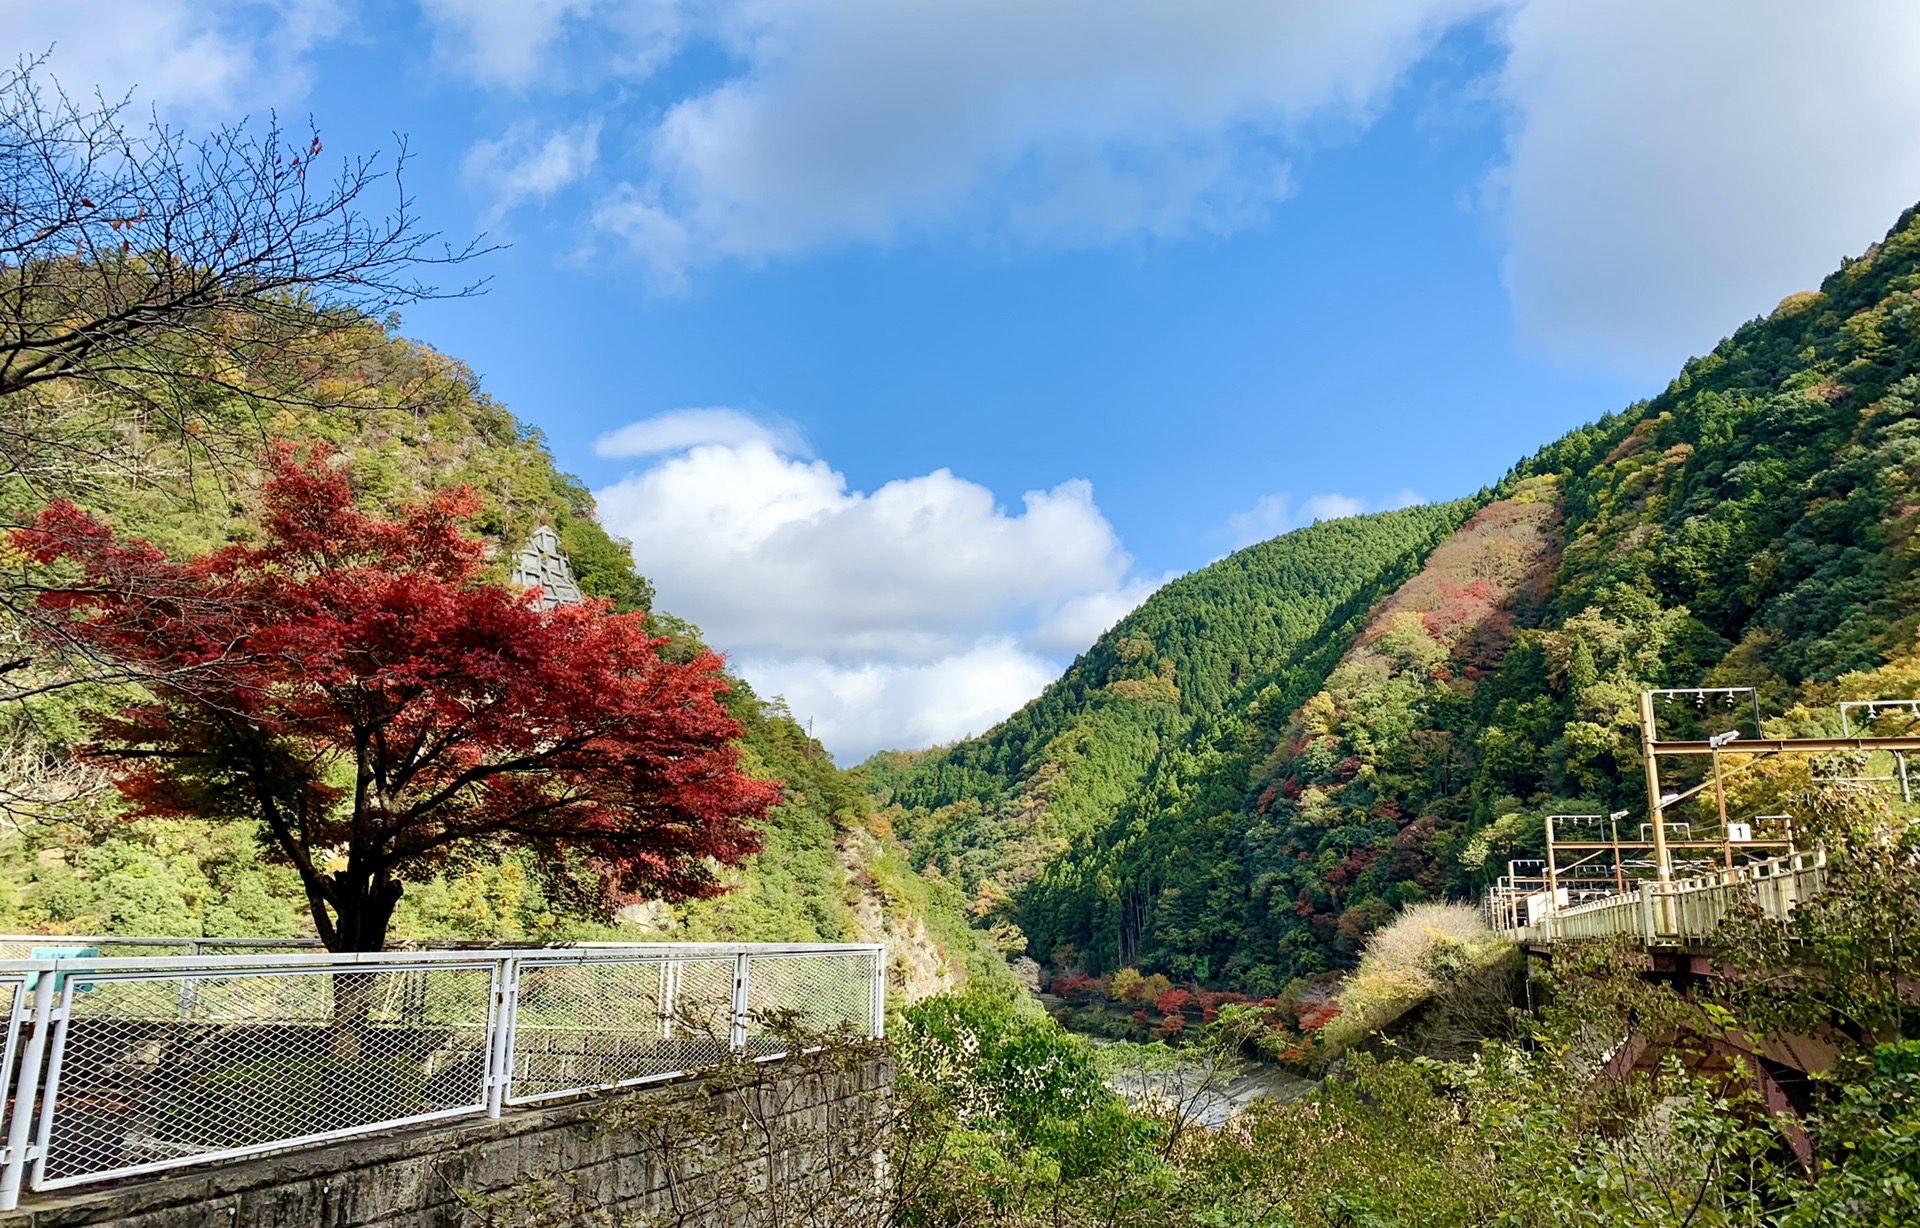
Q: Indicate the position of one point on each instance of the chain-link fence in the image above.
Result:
(119, 1066)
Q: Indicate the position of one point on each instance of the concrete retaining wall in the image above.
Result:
(574, 1161)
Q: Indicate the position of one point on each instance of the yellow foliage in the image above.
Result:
(1318, 716)
(1407, 962)
(1370, 1001)
(1157, 689)
(1797, 302)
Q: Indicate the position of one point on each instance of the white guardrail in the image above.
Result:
(118, 1066)
(1674, 913)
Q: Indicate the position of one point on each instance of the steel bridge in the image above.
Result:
(1680, 912)
(1668, 883)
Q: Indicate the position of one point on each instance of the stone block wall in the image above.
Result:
(635, 1156)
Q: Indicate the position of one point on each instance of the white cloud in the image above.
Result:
(503, 42)
(1077, 622)
(922, 608)
(197, 61)
(1272, 515)
(1678, 168)
(1330, 507)
(1671, 168)
(660, 240)
(513, 43)
(526, 164)
(1068, 121)
(766, 552)
(680, 429)
(881, 705)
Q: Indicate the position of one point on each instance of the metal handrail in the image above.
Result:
(579, 954)
(1656, 912)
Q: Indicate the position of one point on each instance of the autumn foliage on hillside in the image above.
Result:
(358, 686)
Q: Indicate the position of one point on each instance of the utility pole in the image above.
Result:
(1720, 798)
(1656, 811)
(1553, 879)
(1662, 861)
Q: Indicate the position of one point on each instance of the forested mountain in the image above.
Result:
(403, 419)
(1258, 630)
(1256, 768)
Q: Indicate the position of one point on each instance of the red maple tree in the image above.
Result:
(360, 688)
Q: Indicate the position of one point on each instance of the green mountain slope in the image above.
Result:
(1752, 525)
(405, 419)
(1259, 629)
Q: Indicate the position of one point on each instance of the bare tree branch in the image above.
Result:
(156, 285)
(128, 254)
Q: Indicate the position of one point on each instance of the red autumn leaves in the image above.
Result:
(359, 686)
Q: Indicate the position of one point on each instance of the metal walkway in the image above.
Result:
(1674, 913)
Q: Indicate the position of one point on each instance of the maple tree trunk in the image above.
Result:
(362, 911)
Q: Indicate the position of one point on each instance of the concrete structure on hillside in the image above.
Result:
(542, 564)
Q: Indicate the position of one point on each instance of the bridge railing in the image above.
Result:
(120, 1066)
(1674, 913)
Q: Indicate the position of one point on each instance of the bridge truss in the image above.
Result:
(1667, 881)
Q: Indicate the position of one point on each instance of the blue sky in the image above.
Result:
(911, 343)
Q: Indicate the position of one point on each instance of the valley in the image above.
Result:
(1236, 793)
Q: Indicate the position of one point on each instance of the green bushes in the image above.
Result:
(1535, 1133)
(1869, 1144)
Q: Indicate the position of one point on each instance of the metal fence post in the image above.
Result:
(505, 1013)
(877, 1024)
(25, 1093)
(50, 1099)
(737, 1039)
(669, 996)
(190, 985)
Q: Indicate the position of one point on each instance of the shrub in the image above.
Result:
(1081, 990)
(1316, 1015)
(1211, 1002)
(1412, 939)
(993, 1063)
(1142, 989)
(1406, 963)
(1094, 1021)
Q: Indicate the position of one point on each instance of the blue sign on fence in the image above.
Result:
(60, 978)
